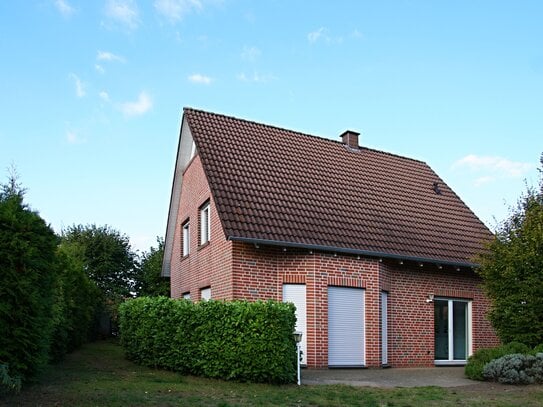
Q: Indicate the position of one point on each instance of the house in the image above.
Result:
(374, 249)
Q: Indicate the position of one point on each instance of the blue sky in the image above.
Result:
(92, 92)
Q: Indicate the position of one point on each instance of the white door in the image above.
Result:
(295, 293)
(345, 326)
(384, 328)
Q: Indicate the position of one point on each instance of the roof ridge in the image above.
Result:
(188, 108)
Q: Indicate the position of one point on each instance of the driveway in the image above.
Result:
(451, 376)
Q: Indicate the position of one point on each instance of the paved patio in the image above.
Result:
(410, 377)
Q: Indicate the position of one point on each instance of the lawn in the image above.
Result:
(98, 375)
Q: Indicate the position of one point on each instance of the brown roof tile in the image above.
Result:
(277, 185)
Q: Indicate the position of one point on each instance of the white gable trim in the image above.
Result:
(185, 153)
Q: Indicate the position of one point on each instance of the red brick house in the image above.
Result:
(374, 249)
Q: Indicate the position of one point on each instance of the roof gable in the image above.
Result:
(283, 187)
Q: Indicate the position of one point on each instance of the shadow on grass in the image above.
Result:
(99, 375)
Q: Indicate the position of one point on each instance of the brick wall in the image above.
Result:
(411, 318)
(236, 270)
(209, 265)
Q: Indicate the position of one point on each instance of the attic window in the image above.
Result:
(205, 223)
(437, 189)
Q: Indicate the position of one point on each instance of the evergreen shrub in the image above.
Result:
(476, 363)
(237, 340)
(516, 368)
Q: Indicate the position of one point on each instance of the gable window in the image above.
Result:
(205, 224)
(186, 238)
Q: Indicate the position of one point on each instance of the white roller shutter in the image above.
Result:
(295, 293)
(345, 326)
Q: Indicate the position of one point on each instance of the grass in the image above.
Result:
(98, 375)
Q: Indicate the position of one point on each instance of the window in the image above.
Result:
(205, 224)
(186, 296)
(186, 238)
(205, 294)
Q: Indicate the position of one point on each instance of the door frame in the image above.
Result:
(450, 330)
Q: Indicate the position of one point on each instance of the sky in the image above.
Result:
(92, 93)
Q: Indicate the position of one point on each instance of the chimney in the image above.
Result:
(350, 138)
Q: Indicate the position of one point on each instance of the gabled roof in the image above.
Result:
(281, 187)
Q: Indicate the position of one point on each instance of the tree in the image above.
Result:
(27, 277)
(108, 261)
(149, 281)
(512, 271)
(107, 257)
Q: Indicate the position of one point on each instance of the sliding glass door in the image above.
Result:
(452, 328)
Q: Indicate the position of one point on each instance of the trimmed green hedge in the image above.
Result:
(238, 340)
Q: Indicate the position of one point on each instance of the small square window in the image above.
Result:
(205, 224)
(186, 238)
(186, 296)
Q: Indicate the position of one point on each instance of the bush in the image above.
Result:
(515, 368)
(235, 340)
(8, 383)
(476, 363)
(77, 301)
(27, 278)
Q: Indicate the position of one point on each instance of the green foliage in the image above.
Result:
(77, 302)
(27, 278)
(515, 368)
(7, 382)
(109, 262)
(107, 258)
(476, 363)
(512, 271)
(236, 340)
(148, 281)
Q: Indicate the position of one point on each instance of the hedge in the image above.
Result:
(237, 340)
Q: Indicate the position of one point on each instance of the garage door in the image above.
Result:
(345, 326)
(295, 293)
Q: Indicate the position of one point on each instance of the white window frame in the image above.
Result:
(186, 238)
(450, 330)
(205, 223)
(205, 293)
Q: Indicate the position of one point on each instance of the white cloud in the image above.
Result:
(124, 12)
(322, 34)
(139, 107)
(315, 35)
(357, 34)
(494, 165)
(99, 68)
(256, 77)
(108, 56)
(199, 78)
(175, 10)
(73, 138)
(250, 54)
(64, 8)
(487, 179)
(79, 86)
(104, 96)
